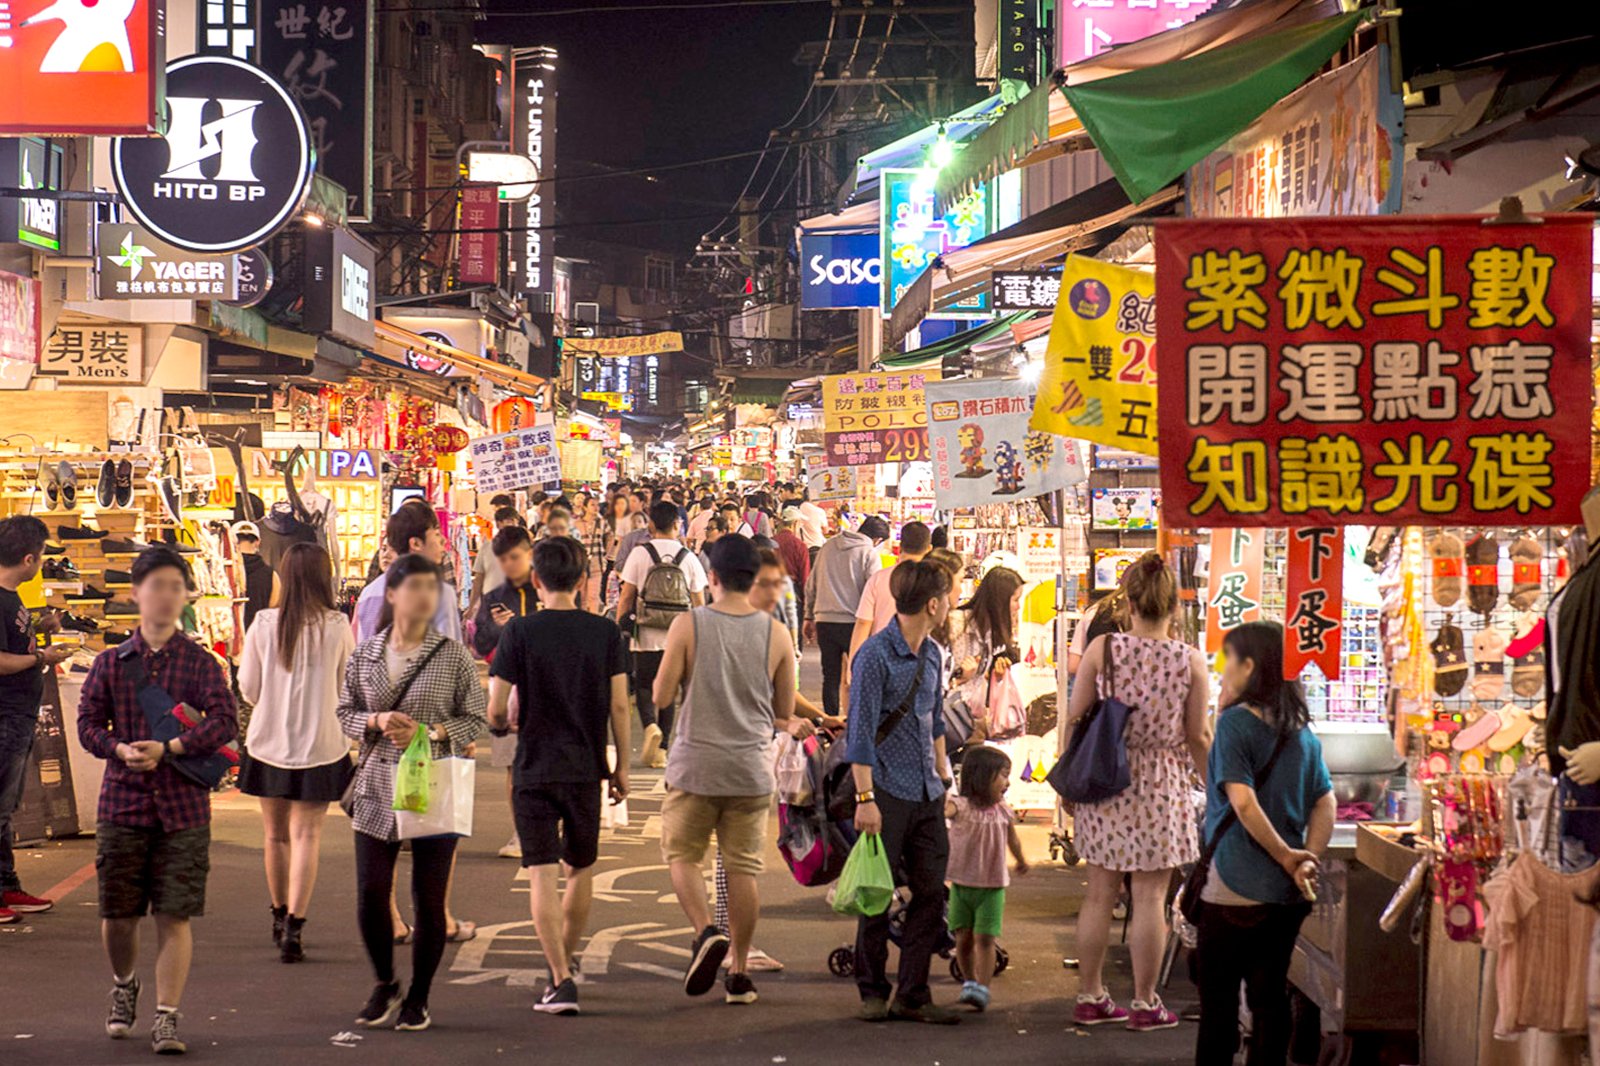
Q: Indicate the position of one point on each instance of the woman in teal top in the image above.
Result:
(1266, 767)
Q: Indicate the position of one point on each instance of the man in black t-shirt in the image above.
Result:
(22, 666)
(569, 670)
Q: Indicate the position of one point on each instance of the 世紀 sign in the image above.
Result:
(1099, 379)
(1026, 290)
(81, 67)
(1374, 371)
(982, 449)
(509, 461)
(875, 418)
(913, 234)
(1313, 615)
(95, 355)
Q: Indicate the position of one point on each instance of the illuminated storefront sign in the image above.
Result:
(912, 236)
(80, 66)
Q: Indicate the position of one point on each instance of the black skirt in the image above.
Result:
(317, 784)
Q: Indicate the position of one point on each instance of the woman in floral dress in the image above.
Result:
(1148, 830)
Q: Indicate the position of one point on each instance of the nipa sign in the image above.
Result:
(94, 355)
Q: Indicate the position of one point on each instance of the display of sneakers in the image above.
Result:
(1103, 1010)
(90, 594)
(50, 483)
(559, 999)
(124, 483)
(121, 546)
(124, 1008)
(1149, 1017)
(164, 1034)
(382, 1006)
(79, 533)
(59, 570)
(705, 959)
(19, 901)
(739, 989)
(413, 1019)
(118, 577)
(105, 486)
(51, 548)
(78, 624)
(68, 478)
(121, 607)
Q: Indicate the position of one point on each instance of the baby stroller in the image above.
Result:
(842, 960)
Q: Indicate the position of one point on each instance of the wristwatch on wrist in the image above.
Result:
(866, 797)
(166, 749)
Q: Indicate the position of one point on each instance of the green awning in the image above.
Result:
(1021, 128)
(934, 354)
(1153, 124)
(767, 392)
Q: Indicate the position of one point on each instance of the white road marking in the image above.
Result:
(652, 968)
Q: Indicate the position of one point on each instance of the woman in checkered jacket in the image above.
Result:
(407, 677)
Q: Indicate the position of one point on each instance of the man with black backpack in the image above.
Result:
(661, 579)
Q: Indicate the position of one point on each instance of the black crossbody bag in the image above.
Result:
(1189, 901)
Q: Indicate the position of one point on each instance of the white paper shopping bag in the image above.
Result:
(450, 796)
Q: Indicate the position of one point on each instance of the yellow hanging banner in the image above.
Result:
(1099, 381)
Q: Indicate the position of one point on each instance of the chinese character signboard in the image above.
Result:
(1086, 28)
(130, 264)
(95, 355)
(1233, 592)
(510, 461)
(1332, 147)
(1313, 630)
(1099, 380)
(479, 262)
(912, 235)
(321, 50)
(642, 344)
(19, 318)
(982, 449)
(1026, 290)
(824, 482)
(875, 418)
(73, 66)
(1374, 371)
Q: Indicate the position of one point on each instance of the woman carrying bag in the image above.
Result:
(406, 678)
(1269, 815)
(987, 700)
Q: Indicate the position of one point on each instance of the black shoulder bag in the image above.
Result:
(1193, 885)
(347, 798)
(840, 780)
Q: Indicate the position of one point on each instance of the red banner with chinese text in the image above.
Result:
(1233, 592)
(1313, 613)
(1375, 370)
(479, 259)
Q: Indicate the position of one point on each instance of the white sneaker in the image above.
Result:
(512, 849)
(651, 745)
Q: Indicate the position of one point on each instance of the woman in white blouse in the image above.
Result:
(296, 758)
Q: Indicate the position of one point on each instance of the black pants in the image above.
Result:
(918, 849)
(430, 878)
(646, 665)
(834, 640)
(1252, 945)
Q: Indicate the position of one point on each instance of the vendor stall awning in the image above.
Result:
(1153, 124)
(911, 150)
(394, 343)
(934, 354)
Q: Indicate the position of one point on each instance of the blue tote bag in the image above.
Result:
(1095, 766)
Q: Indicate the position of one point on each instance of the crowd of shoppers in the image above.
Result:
(590, 611)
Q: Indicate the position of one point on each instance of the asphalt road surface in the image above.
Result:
(244, 1007)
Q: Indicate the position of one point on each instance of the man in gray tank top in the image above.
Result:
(735, 666)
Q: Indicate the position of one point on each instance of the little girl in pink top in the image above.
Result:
(981, 831)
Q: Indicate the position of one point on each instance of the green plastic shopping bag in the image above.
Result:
(866, 884)
(411, 776)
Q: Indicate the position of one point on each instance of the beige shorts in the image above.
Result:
(739, 822)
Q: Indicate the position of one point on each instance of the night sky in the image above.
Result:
(644, 88)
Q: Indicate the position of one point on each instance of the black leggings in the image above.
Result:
(1252, 946)
(430, 879)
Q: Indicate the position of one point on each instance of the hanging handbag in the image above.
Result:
(1188, 900)
(347, 798)
(1095, 767)
(1006, 714)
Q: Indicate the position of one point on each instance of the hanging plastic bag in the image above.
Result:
(411, 776)
(791, 767)
(866, 885)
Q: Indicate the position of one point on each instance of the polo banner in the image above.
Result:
(1099, 380)
(875, 418)
(982, 449)
(1374, 371)
(839, 270)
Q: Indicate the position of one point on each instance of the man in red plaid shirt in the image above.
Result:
(153, 839)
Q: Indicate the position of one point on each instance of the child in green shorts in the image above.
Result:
(982, 830)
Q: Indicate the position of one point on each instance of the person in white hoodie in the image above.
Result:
(839, 575)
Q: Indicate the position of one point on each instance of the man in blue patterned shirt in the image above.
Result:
(896, 743)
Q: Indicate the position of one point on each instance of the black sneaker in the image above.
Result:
(559, 999)
(705, 960)
(171, 541)
(116, 636)
(105, 489)
(54, 549)
(381, 1007)
(124, 1008)
(124, 483)
(121, 607)
(738, 988)
(164, 1034)
(118, 546)
(118, 577)
(90, 594)
(78, 624)
(78, 533)
(292, 948)
(280, 915)
(413, 1019)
